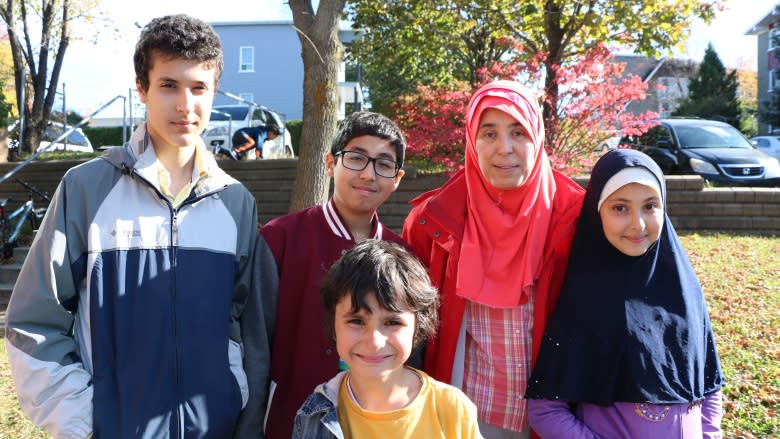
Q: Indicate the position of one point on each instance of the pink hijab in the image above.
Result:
(506, 230)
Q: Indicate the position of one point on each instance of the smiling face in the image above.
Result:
(506, 155)
(358, 194)
(632, 218)
(178, 101)
(376, 342)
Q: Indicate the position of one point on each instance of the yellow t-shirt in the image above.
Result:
(438, 411)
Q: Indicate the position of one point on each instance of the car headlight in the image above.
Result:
(217, 131)
(702, 167)
(772, 167)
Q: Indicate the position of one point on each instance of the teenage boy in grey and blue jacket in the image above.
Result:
(137, 312)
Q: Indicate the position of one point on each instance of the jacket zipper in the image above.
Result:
(174, 244)
(174, 215)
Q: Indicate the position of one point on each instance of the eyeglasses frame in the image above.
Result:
(371, 160)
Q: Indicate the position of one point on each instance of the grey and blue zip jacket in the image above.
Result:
(132, 318)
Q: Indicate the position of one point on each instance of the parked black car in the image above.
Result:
(715, 150)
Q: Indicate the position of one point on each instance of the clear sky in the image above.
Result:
(93, 74)
(727, 33)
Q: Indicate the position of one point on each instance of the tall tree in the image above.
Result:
(591, 109)
(559, 30)
(39, 33)
(712, 93)
(432, 42)
(322, 53)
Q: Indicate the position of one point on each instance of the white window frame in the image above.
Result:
(665, 108)
(246, 65)
(772, 33)
(663, 91)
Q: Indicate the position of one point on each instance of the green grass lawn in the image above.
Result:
(13, 424)
(741, 279)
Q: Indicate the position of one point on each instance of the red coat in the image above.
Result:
(434, 229)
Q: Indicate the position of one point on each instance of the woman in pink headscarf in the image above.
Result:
(496, 240)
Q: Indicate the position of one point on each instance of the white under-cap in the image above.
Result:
(634, 174)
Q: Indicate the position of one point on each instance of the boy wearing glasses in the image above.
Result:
(365, 162)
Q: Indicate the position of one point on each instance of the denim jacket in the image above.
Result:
(318, 418)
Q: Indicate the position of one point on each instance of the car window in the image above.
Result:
(762, 143)
(236, 113)
(51, 132)
(260, 115)
(654, 135)
(711, 136)
(76, 138)
(54, 131)
(274, 119)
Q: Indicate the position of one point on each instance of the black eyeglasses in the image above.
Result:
(358, 161)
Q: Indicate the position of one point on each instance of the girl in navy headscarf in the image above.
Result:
(629, 351)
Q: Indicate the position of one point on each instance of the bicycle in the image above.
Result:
(11, 224)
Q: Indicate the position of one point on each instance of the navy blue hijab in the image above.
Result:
(627, 329)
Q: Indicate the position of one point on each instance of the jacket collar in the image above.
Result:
(446, 205)
(138, 157)
(330, 389)
(339, 227)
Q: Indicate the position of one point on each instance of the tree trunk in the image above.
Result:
(321, 51)
(554, 34)
(54, 38)
(3, 145)
(550, 106)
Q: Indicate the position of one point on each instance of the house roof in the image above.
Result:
(649, 68)
(767, 22)
(637, 65)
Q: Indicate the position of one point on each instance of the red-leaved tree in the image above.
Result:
(433, 122)
(593, 93)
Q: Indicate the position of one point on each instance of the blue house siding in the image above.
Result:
(277, 79)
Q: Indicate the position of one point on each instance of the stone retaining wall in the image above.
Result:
(691, 205)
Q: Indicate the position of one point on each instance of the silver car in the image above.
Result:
(227, 119)
(75, 141)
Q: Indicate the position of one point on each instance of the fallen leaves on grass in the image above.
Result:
(740, 276)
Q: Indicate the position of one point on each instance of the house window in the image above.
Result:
(665, 109)
(774, 79)
(246, 62)
(773, 35)
(663, 87)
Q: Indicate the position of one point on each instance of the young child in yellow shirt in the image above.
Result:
(380, 305)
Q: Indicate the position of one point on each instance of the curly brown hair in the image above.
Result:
(177, 37)
(398, 280)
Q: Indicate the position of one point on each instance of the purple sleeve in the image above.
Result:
(554, 419)
(711, 415)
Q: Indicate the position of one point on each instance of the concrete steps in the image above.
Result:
(9, 272)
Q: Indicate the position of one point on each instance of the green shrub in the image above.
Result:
(295, 126)
(104, 136)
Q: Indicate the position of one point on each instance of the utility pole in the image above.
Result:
(64, 117)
